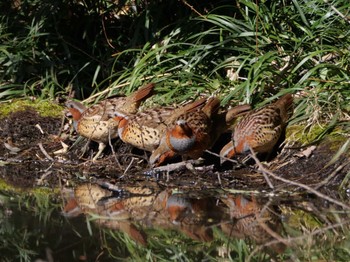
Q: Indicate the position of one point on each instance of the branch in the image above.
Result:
(265, 171)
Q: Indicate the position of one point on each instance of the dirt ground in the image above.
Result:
(30, 152)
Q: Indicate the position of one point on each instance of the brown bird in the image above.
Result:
(225, 119)
(249, 219)
(145, 129)
(187, 134)
(260, 129)
(97, 122)
(193, 132)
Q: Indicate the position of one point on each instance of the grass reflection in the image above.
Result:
(168, 225)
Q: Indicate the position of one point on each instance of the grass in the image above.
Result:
(244, 53)
(18, 228)
(36, 223)
(268, 50)
(241, 52)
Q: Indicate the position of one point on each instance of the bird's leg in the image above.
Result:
(101, 146)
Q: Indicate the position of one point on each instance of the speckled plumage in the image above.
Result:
(193, 128)
(187, 134)
(261, 129)
(97, 122)
(145, 129)
(191, 133)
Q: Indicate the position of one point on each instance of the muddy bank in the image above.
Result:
(33, 148)
(198, 206)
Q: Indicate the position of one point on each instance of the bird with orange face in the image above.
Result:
(260, 129)
(97, 122)
(191, 133)
(145, 129)
(186, 134)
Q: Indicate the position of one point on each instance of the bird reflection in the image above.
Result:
(133, 209)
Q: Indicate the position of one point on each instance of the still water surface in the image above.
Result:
(111, 222)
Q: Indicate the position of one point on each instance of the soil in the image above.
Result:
(25, 164)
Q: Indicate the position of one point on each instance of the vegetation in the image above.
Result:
(32, 227)
(43, 107)
(244, 51)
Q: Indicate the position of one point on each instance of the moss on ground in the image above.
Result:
(303, 135)
(32, 191)
(44, 108)
(298, 217)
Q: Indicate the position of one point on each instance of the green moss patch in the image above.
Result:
(44, 108)
(298, 218)
(34, 191)
(315, 133)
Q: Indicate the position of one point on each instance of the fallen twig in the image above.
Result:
(39, 181)
(287, 181)
(333, 174)
(113, 152)
(128, 167)
(44, 152)
(176, 166)
(253, 155)
(40, 129)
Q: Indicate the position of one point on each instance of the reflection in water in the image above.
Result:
(134, 209)
(104, 222)
(252, 220)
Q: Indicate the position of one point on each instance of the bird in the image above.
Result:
(260, 129)
(97, 122)
(145, 128)
(114, 212)
(187, 134)
(193, 132)
(224, 120)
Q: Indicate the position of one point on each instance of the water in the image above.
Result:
(103, 221)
